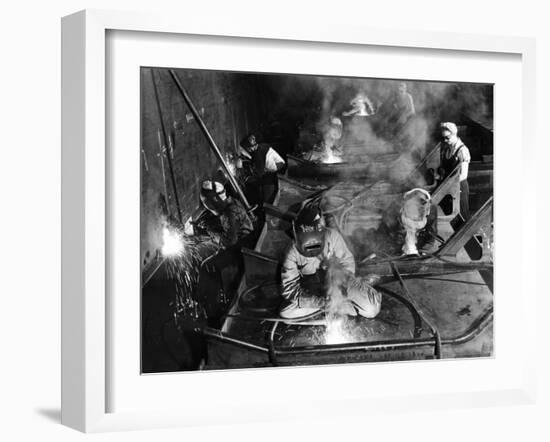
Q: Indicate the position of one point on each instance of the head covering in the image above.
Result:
(451, 127)
(213, 196)
(309, 231)
(335, 121)
(418, 190)
(212, 186)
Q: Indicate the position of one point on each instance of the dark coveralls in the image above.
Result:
(218, 276)
(266, 181)
(447, 165)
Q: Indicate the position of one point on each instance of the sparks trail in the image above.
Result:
(183, 262)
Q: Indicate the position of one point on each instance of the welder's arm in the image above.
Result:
(464, 170)
(342, 252)
(208, 226)
(350, 112)
(410, 106)
(231, 229)
(273, 161)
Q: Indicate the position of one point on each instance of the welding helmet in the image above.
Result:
(416, 205)
(213, 196)
(309, 231)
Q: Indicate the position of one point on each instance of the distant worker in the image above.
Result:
(333, 130)
(403, 105)
(265, 162)
(359, 120)
(454, 153)
(231, 228)
(329, 149)
(303, 273)
(411, 224)
(395, 116)
(361, 106)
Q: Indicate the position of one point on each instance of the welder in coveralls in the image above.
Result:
(303, 272)
(231, 228)
(410, 224)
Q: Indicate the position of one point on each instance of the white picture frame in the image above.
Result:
(85, 307)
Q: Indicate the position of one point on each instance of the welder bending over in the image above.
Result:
(231, 228)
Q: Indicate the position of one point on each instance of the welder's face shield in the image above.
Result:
(213, 197)
(310, 239)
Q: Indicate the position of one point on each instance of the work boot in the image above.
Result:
(301, 307)
(294, 311)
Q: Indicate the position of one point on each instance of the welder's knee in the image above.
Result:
(370, 311)
(366, 300)
(294, 311)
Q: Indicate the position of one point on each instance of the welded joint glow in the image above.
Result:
(336, 333)
(173, 244)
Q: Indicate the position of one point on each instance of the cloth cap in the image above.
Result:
(309, 216)
(451, 127)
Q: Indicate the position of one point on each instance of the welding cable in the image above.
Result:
(417, 319)
(433, 329)
(342, 216)
(272, 351)
(346, 203)
(435, 236)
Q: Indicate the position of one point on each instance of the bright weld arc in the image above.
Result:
(172, 243)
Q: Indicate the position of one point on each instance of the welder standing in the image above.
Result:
(265, 162)
(453, 154)
(403, 105)
(396, 114)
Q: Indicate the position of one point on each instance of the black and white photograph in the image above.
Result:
(300, 220)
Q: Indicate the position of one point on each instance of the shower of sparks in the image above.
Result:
(183, 261)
